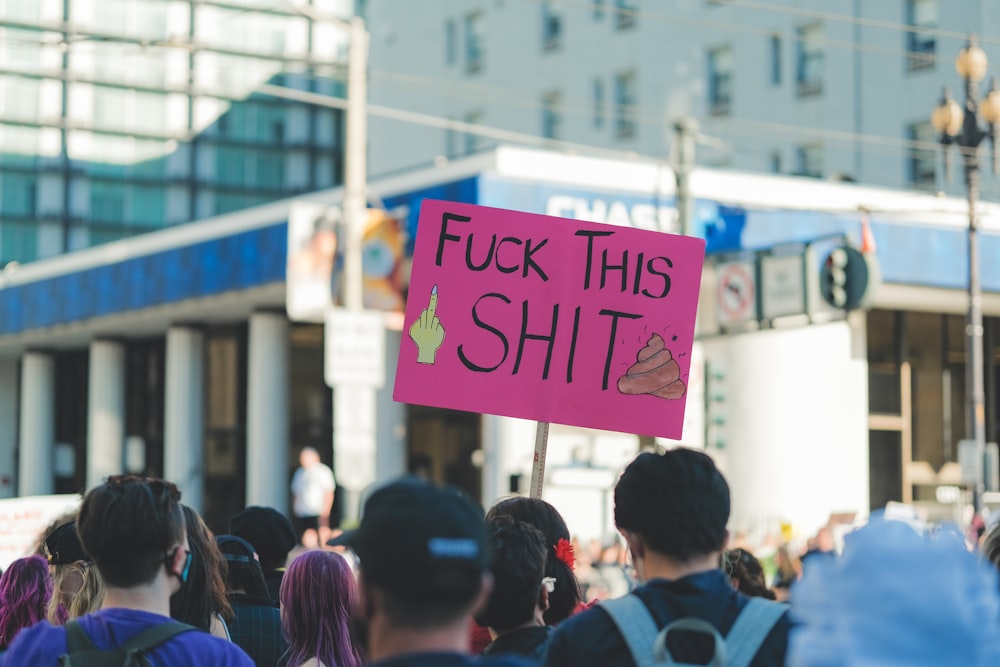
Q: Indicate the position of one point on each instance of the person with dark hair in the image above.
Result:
(272, 536)
(424, 569)
(520, 590)
(318, 596)
(203, 603)
(560, 562)
(746, 573)
(133, 528)
(672, 509)
(25, 591)
(256, 625)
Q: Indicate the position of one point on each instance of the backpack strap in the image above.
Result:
(636, 626)
(691, 624)
(751, 628)
(154, 636)
(81, 651)
(76, 639)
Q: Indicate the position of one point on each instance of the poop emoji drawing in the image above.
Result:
(427, 332)
(655, 372)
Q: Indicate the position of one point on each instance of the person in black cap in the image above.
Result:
(424, 568)
(256, 627)
(272, 537)
(77, 587)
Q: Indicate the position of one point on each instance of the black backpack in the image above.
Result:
(81, 652)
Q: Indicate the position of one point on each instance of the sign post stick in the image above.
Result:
(538, 466)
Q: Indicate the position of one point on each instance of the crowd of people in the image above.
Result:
(428, 579)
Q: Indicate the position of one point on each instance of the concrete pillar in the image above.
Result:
(390, 425)
(267, 411)
(184, 413)
(8, 426)
(105, 411)
(37, 424)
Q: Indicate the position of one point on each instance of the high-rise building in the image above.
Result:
(124, 116)
(839, 91)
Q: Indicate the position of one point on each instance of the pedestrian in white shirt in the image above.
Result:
(312, 486)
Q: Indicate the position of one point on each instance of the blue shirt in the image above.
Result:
(41, 645)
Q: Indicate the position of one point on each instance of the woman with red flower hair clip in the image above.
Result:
(565, 599)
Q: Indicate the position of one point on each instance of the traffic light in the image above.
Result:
(844, 277)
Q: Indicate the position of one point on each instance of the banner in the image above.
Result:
(23, 520)
(550, 319)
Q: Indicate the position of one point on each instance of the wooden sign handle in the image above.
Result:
(538, 465)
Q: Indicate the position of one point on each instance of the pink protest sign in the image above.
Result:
(550, 319)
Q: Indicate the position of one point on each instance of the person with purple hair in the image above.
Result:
(25, 591)
(318, 595)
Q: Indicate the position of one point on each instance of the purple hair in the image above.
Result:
(318, 595)
(25, 591)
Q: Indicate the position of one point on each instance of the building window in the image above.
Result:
(922, 17)
(922, 164)
(626, 13)
(551, 114)
(776, 162)
(810, 160)
(451, 141)
(552, 25)
(775, 52)
(475, 41)
(473, 142)
(450, 42)
(626, 94)
(720, 80)
(599, 10)
(809, 60)
(599, 112)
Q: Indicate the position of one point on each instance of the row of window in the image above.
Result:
(810, 57)
(921, 158)
(473, 29)
(622, 113)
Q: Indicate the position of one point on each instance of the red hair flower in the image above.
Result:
(565, 553)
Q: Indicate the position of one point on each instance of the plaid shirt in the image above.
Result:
(257, 629)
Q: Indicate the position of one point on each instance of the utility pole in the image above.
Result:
(355, 164)
(685, 131)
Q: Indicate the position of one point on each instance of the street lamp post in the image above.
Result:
(961, 127)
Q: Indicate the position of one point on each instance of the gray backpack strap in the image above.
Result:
(751, 628)
(636, 626)
(691, 624)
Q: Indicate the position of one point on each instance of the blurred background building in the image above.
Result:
(837, 90)
(119, 117)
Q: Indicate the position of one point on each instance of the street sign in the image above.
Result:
(783, 289)
(355, 348)
(737, 293)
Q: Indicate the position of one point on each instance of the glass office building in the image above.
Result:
(123, 116)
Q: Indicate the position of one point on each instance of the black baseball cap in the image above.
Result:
(268, 531)
(63, 547)
(419, 540)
